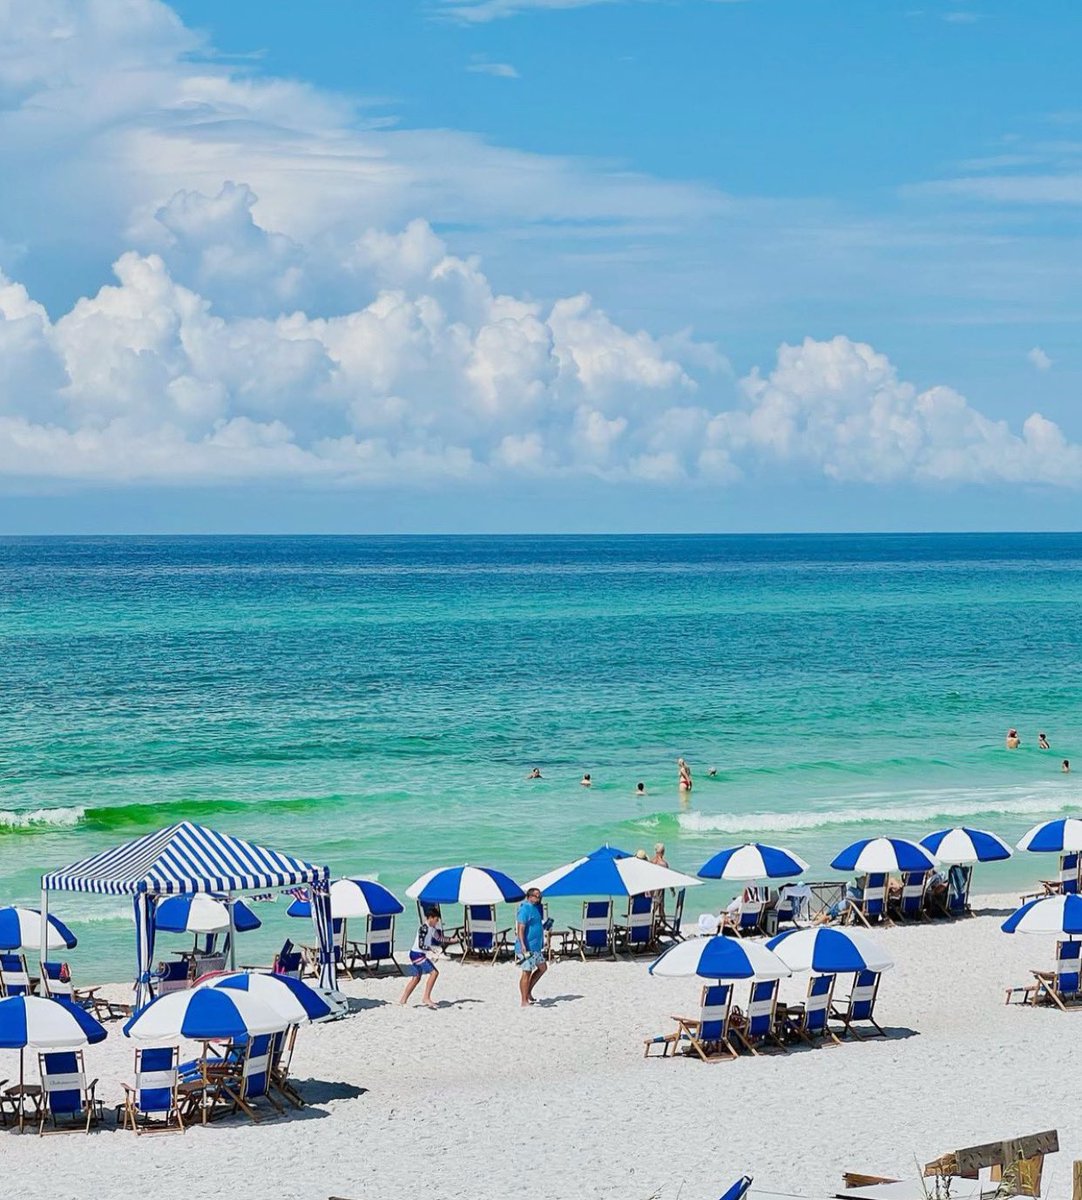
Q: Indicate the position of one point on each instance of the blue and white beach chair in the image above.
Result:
(65, 1095)
(480, 936)
(281, 1059)
(760, 1026)
(1068, 874)
(56, 984)
(14, 975)
(871, 906)
(911, 901)
(377, 945)
(709, 1034)
(1063, 985)
(860, 1007)
(748, 919)
(288, 961)
(959, 877)
(812, 1022)
(151, 1104)
(595, 934)
(638, 929)
(254, 1082)
(172, 977)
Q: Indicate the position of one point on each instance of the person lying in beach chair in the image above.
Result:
(911, 898)
(709, 1034)
(65, 1095)
(377, 945)
(151, 1104)
(637, 930)
(860, 1007)
(480, 936)
(56, 984)
(744, 917)
(14, 976)
(867, 902)
(760, 1026)
(811, 1017)
(596, 932)
(254, 1081)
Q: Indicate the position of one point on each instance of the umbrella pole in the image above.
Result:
(22, 1093)
(232, 933)
(44, 947)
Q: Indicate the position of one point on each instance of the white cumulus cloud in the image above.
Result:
(1039, 359)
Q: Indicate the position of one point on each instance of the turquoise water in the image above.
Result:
(375, 703)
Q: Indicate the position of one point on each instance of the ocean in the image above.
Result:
(376, 703)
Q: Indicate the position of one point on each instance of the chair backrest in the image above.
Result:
(751, 914)
(156, 1078)
(640, 919)
(1068, 874)
(281, 1050)
(255, 1073)
(817, 1003)
(63, 1081)
(597, 923)
(914, 884)
(379, 936)
(52, 985)
(288, 961)
(678, 910)
(761, 1006)
(873, 903)
(1068, 967)
(14, 975)
(714, 1010)
(958, 881)
(172, 977)
(481, 926)
(862, 997)
(206, 964)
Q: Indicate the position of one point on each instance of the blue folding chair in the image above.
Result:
(151, 1104)
(480, 936)
(288, 961)
(638, 931)
(254, 1082)
(596, 933)
(871, 906)
(66, 1098)
(14, 975)
(709, 1035)
(958, 880)
(911, 901)
(1068, 874)
(1064, 984)
(860, 1007)
(56, 984)
(377, 945)
(760, 1026)
(812, 1022)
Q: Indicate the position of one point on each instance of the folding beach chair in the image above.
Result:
(860, 1007)
(812, 1022)
(1063, 985)
(760, 1026)
(173, 977)
(65, 1095)
(637, 933)
(208, 964)
(288, 961)
(709, 1034)
(595, 934)
(748, 920)
(377, 945)
(872, 905)
(480, 936)
(911, 901)
(668, 924)
(254, 1081)
(151, 1104)
(56, 984)
(1068, 874)
(14, 975)
(312, 965)
(281, 1059)
(958, 880)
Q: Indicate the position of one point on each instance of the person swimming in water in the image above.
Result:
(586, 781)
(1042, 742)
(1066, 768)
(1012, 741)
(685, 775)
(535, 774)
(640, 789)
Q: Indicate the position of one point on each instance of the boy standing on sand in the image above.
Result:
(530, 945)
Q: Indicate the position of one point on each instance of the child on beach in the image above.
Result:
(429, 936)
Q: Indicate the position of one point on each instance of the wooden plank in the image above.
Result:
(999, 1154)
(1076, 1178)
(852, 1179)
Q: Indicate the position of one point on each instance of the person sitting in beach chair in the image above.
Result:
(709, 1034)
(760, 1025)
(811, 1016)
(377, 945)
(1061, 986)
(14, 976)
(744, 916)
(480, 938)
(65, 1095)
(869, 903)
(56, 984)
(860, 1007)
(637, 931)
(151, 1104)
(596, 932)
(912, 895)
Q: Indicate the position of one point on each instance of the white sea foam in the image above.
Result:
(953, 805)
(59, 818)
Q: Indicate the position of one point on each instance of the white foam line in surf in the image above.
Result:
(58, 818)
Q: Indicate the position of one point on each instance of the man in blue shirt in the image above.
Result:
(530, 944)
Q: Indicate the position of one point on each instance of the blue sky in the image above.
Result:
(540, 264)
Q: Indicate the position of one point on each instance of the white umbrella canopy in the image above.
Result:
(830, 951)
(610, 872)
(292, 999)
(1062, 836)
(720, 958)
(203, 1013)
(1059, 915)
(20, 929)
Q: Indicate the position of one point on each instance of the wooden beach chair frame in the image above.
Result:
(129, 1112)
(690, 1029)
(487, 925)
(55, 988)
(754, 1041)
(847, 1015)
(593, 923)
(89, 1103)
(235, 1087)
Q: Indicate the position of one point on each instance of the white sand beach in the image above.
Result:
(484, 1099)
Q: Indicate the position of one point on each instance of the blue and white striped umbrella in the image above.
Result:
(753, 861)
(20, 929)
(610, 872)
(884, 854)
(464, 885)
(1049, 914)
(962, 846)
(720, 958)
(203, 1013)
(292, 999)
(1063, 836)
(46, 1024)
(829, 951)
(353, 898)
(199, 913)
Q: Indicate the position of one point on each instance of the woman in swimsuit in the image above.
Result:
(685, 775)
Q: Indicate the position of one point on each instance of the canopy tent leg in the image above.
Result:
(230, 900)
(44, 949)
(320, 897)
(144, 906)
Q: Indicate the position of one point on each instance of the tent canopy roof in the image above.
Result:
(183, 858)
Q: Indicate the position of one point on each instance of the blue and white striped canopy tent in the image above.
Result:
(187, 858)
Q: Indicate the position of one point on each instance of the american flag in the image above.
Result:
(299, 893)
